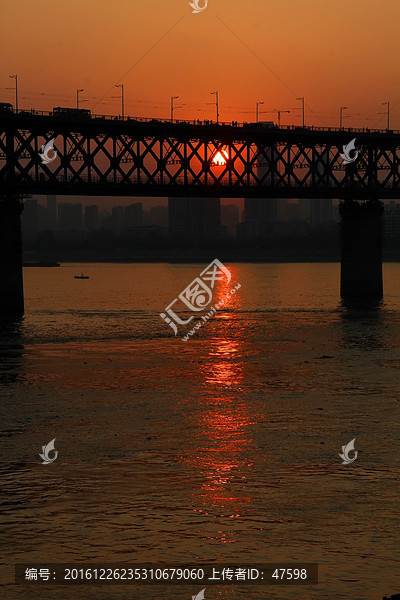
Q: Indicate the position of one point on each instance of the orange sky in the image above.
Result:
(345, 52)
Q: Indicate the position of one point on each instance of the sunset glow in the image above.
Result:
(220, 158)
(168, 51)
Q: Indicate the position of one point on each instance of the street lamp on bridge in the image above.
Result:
(77, 96)
(342, 108)
(121, 85)
(279, 115)
(387, 113)
(172, 107)
(302, 106)
(257, 105)
(16, 90)
(216, 103)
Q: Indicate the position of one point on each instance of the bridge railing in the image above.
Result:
(129, 180)
(199, 122)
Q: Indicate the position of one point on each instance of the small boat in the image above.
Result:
(81, 276)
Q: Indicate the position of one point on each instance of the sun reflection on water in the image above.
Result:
(225, 446)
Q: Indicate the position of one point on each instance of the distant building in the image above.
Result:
(144, 232)
(291, 228)
(262, 213)
(70, 216)
(91, 217)
(156, 215)
(51, 210)
(194, 218)
(30, 215)
(321, 211)
(118, 214)
(247, 230)
(178, 220)
(106, 220)
(230, 217)
(133, 215)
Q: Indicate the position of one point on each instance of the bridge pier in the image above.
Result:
(11, 282)
(361, 261)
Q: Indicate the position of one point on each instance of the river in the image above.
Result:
(222, 449)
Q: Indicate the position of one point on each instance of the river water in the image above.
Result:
(222, 449)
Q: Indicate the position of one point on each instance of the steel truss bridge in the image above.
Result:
(112, 157)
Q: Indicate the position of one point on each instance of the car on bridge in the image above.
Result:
(28, 113)
(71, 113)
(262, 124)
(6, 108)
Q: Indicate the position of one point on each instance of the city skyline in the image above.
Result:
(256, 219)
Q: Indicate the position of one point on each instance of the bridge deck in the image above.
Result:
(100, 155)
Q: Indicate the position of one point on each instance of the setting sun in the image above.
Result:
(220, 158)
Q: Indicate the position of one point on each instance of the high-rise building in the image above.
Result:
(262, 212)
(230, 217)
(295, 210)
(177, 216)
(156, 215)
(70, 216)
(91, 217)
(106, 220)
(30, 215)
(194, 218)
(133, 215)
(51, 210)
(321, 211)
(117, 214)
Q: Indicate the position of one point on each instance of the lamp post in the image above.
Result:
(342, 108)
(388, 113)
(121, 85)
(172, 107)
(77, 96)
(279, 115)
(302, 106)
(16, 90)
(216, 103)
(257, 105)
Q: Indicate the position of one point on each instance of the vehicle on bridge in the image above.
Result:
(71, 113)
(262, 124)
(6, 107)
(28, 113)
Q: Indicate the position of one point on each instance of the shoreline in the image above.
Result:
(197, 259)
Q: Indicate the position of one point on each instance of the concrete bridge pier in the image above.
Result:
(11, 282)
(361, 263)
